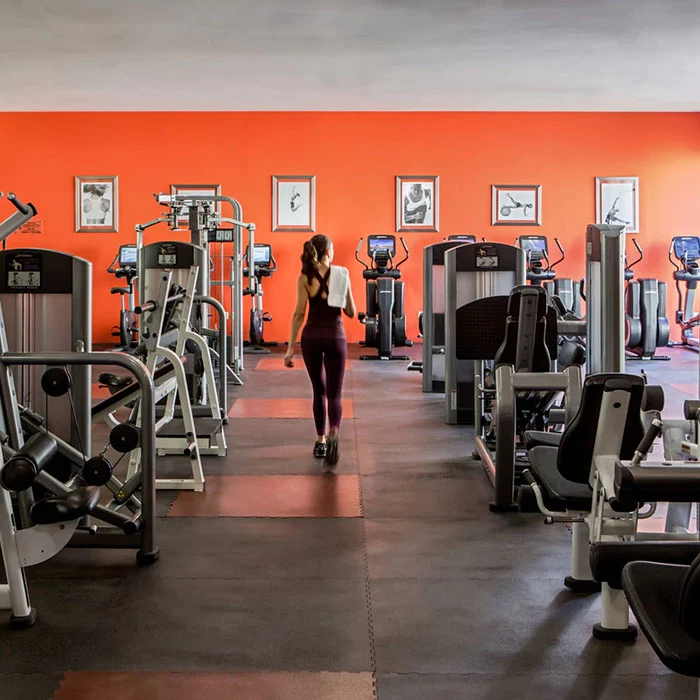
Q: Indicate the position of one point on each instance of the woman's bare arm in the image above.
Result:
(297, 317)
(349, 309)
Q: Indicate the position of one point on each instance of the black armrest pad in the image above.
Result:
(648, 484)
(608, 559)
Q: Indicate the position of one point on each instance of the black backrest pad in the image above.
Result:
(689, 603)
(481, 329)
(575, 453)
(524, 345)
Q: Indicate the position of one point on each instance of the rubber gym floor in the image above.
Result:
(391, 579)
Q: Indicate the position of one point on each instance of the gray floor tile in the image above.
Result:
(192, 625)
(487, 547)
(505, 626)
(31, 686)
(210, 548)
(534, 686)
(426, 497)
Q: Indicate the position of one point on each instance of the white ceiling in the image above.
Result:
(587, 55)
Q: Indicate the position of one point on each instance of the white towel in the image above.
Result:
(338, 286)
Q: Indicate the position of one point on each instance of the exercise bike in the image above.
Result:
(645, 314)
(384, 318)
(264, 265)
(125, 266)
(686, 249)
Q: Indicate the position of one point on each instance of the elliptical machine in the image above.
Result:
(645, 314)
(686, 249)
(264, 265)
(541, 273)
(384, 318)
(125, 266)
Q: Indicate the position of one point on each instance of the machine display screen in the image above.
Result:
(25, 280)
(377, 243)
(462, 237)
(686, 247)
(127, 256)
(262, 254)
(533, 243)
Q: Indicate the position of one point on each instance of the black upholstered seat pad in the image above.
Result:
(559, 492)
(653, 591)
(540, 438)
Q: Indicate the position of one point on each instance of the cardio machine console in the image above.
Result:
(262, 255)
(128, 255)
(686, 248)
(533, 244)
(381, 243)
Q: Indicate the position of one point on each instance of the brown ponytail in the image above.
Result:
(314, 250)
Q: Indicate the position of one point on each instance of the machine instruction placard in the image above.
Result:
(23, 271)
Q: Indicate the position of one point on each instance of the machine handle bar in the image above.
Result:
(403, 243)
(23, 208)
(153, 305)
(357, 255)
(641, 255)
(561, 252)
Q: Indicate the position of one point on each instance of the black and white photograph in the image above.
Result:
(96, 204)
(617, 202)
(293, 203)
(417, 203)
(516, 205)
(194, 191)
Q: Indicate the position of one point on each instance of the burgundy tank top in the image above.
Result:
(323, 320)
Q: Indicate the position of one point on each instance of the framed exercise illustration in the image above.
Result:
(193, 191)
(96, 204)
(417, 203)
(617, 202)
(294, 203)
(516, 205)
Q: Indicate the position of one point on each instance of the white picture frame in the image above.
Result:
(417, 203)
(96, 204)
(294, 203)
(516, 205)
(617, 202)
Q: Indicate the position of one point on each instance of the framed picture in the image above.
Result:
(617, 202)
(417, 203)
(516, 205)
(96, 204)
(294, 203)
(183, 218)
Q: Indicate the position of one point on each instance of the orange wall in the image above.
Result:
(355, 157)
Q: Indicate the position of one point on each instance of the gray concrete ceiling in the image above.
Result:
(620, 55)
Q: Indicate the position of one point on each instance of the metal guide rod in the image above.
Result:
(605, 311)
(148, 438)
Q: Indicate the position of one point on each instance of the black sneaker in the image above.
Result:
(332, 451)
(320, 450)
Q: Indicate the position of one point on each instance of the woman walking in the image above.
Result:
(326, 288)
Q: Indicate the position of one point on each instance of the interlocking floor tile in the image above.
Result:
(215, 686)
(280, 408)
(324, 496)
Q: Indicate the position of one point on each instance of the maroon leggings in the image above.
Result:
(327, 354)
